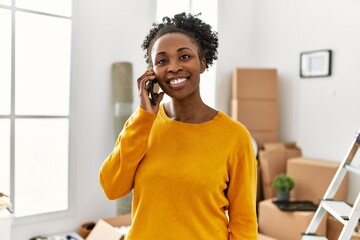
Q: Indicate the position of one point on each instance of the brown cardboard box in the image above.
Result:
(105, 228)
(285, 225)
(263, 137)
(255, 102)
(264, 237)
(273, 159)
(312, 178)
(255, 83)
(334, 229)
(256, 115)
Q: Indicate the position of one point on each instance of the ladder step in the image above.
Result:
(313, 237)
(339, 210)
(352, 169)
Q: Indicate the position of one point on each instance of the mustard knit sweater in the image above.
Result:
(185, 178)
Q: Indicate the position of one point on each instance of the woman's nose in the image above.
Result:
(174, 66)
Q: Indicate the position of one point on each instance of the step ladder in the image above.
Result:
(343, 212)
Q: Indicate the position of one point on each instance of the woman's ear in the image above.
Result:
(202, 65)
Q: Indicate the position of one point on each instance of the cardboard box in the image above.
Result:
(256, 115)
(285, 225)
(254, 102)
(255, 83)
(312, 178)
(106, 229)
(334, 228)
(264, 237)
(273, 159)
(262, 137)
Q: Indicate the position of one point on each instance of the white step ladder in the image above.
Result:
(343, 212)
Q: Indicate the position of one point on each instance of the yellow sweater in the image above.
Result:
(184, 178)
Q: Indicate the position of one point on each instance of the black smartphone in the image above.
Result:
(153, 96)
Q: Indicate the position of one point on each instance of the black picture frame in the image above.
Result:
(315, 63)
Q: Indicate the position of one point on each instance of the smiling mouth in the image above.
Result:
(177, 81)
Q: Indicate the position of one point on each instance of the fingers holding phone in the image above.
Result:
(153, 89)
(154, 95)
(148, 90)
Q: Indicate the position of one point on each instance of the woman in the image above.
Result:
(191, 168)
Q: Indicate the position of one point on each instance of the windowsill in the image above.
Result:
(19, 221)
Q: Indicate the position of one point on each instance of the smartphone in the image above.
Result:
(153, 96)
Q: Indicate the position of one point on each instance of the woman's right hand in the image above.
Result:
(142, 84)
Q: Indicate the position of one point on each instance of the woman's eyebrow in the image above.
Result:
(160, 53)
(178, 50)
(183, 48)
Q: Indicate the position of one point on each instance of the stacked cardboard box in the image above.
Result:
(334, 228)
(312, 178)
(264, 237)
(255, 102)
(282, 225)
(273, 158)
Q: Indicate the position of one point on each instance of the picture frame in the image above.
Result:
(315, 63)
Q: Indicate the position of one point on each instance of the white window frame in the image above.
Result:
(12, 117)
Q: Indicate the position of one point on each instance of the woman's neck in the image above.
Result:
(188, 112)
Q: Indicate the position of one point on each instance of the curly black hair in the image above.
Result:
(193, 27)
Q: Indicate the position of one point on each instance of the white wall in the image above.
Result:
(321, 114)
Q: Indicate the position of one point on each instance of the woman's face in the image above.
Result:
(177, 65)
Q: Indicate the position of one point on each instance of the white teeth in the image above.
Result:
(177, 81)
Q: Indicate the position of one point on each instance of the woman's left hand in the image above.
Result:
(142, 84)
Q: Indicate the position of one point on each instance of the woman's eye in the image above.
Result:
(161, 61)
(185, 56)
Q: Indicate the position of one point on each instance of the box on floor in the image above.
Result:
(334, 229)
(273, 160)
(264, 237)
(312, 178)
(282, 225)
(107, 229)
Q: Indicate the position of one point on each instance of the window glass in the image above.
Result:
(42, 67)
(5, 61)
(170, 8)
(58, 7)
(5, 2)
(41, 166)
(209, 15)
(5, 156)
(34, 122)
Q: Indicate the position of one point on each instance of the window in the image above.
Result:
(35, 48)
(5, 2)
(208, 10)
